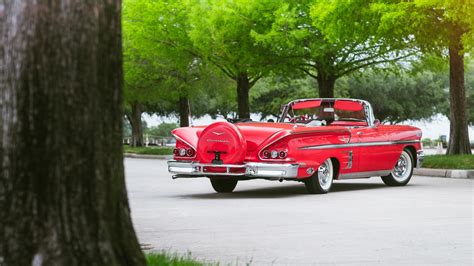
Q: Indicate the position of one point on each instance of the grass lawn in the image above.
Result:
(148, 150)
(449, 161)
(165, 259)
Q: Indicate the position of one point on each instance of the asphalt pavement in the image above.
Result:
(361, 222)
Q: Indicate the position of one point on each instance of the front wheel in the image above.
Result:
(223, 185)
(321, 181)
(402, 172)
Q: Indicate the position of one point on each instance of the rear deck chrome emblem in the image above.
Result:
(218, 133)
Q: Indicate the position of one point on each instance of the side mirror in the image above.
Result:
(376, 122)
(271, 121)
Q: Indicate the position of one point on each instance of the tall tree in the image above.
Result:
(441, 25)
(147, 71)
(221, 32)
(328, 39)
(156, 33)
(169, 66)
(458, 129)
(63, 199)
(137, 91)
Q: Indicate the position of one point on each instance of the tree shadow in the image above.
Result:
(283, 191)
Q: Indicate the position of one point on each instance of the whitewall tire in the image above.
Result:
(321, 181)
(402, 171)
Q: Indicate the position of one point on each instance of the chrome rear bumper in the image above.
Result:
(246, 170)
(420, 156)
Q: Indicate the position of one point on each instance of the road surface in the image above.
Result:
(360, 222)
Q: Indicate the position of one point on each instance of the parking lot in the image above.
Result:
(362, 222)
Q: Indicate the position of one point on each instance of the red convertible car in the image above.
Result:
(315, 141)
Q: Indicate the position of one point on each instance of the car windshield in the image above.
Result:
(326, 112)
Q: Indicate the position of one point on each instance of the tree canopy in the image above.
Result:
(330, 39)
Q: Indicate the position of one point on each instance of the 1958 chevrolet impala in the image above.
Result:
(315, 141)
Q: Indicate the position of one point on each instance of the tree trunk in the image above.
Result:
(63, 199)
(243, 87)
(458, 133)
(326, 85)
(135, 119)
(184, 111)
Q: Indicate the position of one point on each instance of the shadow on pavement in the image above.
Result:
(293, 190)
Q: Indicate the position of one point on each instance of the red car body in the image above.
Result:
(295, 148)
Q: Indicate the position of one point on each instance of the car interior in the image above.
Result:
(327, 113)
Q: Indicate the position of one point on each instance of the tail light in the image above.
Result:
(183, 150)
(274, 152)
(190, 152)
(266, 154)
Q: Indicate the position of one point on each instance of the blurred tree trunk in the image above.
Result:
(184, 111)
(63, 199)
(458, 131)
(135, 119)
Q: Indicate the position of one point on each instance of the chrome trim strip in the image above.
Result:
(349, 163)
(364, 174)
(358, 144)
(256, 170)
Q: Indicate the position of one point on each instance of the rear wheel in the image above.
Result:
(402, 172)
(223, 185)
(321, 181)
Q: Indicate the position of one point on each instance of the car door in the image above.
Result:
(374, 149)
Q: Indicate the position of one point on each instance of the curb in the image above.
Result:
(446, 173)
(147, 156)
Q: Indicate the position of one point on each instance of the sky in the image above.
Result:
(439, 124)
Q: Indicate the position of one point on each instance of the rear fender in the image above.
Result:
(299, 149)
(189, 135)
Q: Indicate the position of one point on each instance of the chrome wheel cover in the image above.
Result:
(325, 175)
(402, 170)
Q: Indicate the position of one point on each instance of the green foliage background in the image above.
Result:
(392, 53)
